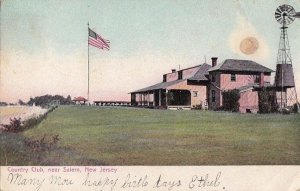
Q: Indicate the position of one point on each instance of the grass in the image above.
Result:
(132, 136)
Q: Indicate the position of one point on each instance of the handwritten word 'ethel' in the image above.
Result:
(201, 182)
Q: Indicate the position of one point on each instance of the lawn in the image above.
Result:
(136, 136)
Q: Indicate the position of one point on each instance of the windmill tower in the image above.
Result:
(284, 77)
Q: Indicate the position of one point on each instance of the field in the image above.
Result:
(23, 112)
(136, 136)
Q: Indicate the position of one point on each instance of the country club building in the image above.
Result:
(201, 86)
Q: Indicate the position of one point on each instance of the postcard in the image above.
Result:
(150, 95)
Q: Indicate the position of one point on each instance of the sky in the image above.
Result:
(44, 43)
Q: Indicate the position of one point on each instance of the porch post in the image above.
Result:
(153, 98)
(166, 98)
(141, 99)
(148, 95)
(159, 97)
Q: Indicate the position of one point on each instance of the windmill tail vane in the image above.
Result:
(297, 15)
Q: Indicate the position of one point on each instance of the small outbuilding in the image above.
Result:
(80, 100)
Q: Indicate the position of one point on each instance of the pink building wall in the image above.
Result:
(249, 100)
(201, 90)
(187, 73)
(241, 80)
(223, 82)
(172, 76)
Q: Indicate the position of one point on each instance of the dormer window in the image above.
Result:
(164, 78)
(179, 75)
(233, 77)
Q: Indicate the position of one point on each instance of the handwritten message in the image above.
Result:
(108, 179)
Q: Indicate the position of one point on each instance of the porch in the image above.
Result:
(162, 98)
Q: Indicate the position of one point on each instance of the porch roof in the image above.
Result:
(158, 86)
(253, 86)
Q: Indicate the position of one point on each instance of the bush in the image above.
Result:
(295, 108)
(267, 101)
(42, 144)
(231, 100)
(14, 126)
(198, 107)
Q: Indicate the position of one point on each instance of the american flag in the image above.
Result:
(97, 41)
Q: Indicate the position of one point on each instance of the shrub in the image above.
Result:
(42, 144)
(198, 107)
(267, 101)
(231, 100)
(14, 126)
(295, 108)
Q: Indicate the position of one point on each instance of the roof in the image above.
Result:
(185, 68)
(161, 85)
(240, 66)
(199, 75)
(79, 99)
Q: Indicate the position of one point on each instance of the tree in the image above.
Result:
(267, 101)
(46, 100)
(21, 102)
(231, 100)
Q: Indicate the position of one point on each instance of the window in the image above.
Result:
(213, 95)
(164, 78)
(233, 77)
(179, 75)
(257, 78)
(213, 77)
(195, 93)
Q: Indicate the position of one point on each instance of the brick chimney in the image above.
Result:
(214, 61)
(261, 80)
(173, 70)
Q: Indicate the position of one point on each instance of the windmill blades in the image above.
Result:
(285, 14)
(278, 11)
(278, 15)
(289, 9)
(280, 20)
(290, 19)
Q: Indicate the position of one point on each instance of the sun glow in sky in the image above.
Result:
(44, 43)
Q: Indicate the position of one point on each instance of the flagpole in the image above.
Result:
(88, 94)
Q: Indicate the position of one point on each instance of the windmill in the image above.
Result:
(284, 77)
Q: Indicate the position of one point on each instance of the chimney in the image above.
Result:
(261, 80)
(173, 70)
(214, 61)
